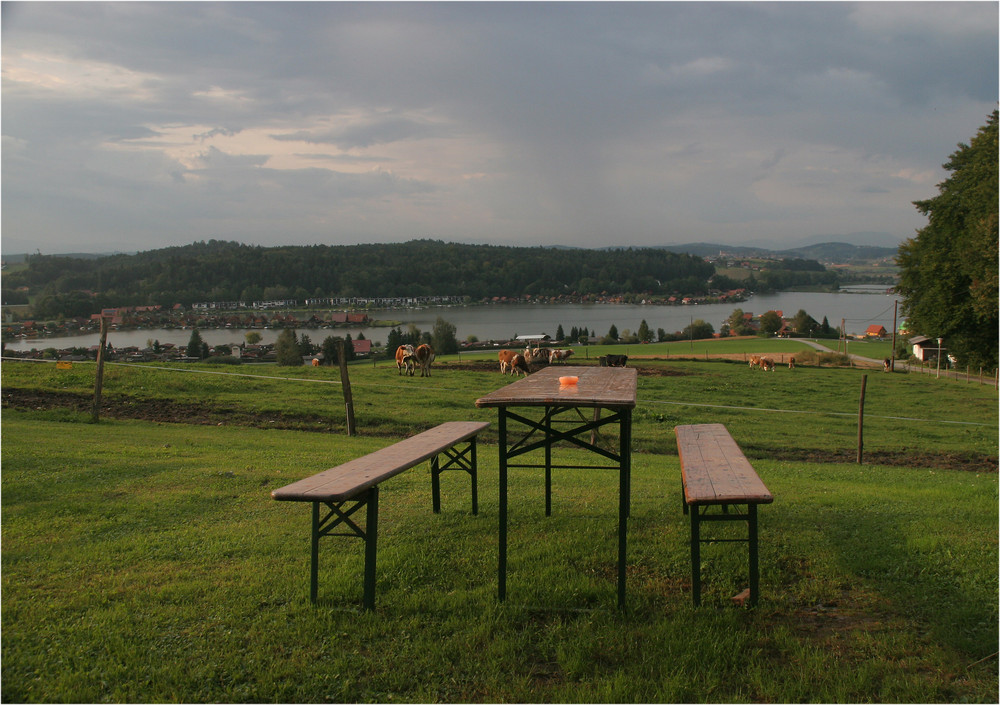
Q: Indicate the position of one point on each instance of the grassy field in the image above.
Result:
(143, 559)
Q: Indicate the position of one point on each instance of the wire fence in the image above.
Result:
(640, 401)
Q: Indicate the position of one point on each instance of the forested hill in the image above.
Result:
(229, 271)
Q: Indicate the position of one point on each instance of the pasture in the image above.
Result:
(143, 559)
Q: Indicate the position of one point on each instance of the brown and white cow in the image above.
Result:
(559, 355)
(754, 361)
(767, 364)
(424, 356)
(535, 355)
(512, 363)
(404, 359)
(791, 363)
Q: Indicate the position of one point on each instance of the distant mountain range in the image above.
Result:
(830, 252)
(835, 252)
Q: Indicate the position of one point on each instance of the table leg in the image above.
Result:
(475, 472)
(314, 555)
(502, 566)
(624, 500)
(548, 462)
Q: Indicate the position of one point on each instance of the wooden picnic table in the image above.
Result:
(603, 389)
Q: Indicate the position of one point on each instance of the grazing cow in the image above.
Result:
(404, 359)
(754, 361)
(424, 356)
(512, 363)
(559, 355)
(518, 365)
(615, 360)
(886, 364)
(535, 355)
(767, 364)
(791, 363)
(505, 357)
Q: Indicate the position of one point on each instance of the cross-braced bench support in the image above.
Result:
(339, 514)
(458, 459)
(701, 514)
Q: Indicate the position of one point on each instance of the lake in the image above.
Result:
(859, 306)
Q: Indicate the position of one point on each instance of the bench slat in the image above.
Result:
(344, 481)
(714, 469)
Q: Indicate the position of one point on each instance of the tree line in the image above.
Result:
(229, 271)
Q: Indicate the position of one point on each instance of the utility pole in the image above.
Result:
(895, 307)
(938, 376)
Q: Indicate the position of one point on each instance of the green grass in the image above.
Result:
(145, 561)
(806, 413)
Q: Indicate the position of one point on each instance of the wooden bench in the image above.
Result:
(345, 489)
(714, 472)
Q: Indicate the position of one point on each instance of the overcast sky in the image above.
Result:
(133, 126)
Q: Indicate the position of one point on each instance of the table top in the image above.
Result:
(606, 387)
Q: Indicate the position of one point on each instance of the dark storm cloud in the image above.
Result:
(572, 123)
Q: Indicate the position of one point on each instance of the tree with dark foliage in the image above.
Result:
(948, 272)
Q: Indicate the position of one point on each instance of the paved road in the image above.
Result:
(900, 365)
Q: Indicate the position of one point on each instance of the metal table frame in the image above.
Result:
(602, 389)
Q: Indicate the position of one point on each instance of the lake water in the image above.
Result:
(858, 306)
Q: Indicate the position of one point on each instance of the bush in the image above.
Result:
(224, 360)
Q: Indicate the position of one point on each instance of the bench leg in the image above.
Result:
(695, 556)
(339, 515)
(436, 485)
(371, 547)
(752, 545)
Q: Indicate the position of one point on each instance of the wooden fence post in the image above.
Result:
(861, 417)
(346, 384)
(99, 379)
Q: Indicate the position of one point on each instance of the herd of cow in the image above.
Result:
(767, 364)
(514, 363)
(409, 358)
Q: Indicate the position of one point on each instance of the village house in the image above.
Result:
(876, 331)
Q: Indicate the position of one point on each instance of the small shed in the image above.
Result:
(924, 348)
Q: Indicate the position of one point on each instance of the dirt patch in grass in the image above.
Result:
(493, 366)
(166, 411)
(970, 462)
(158, 410)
